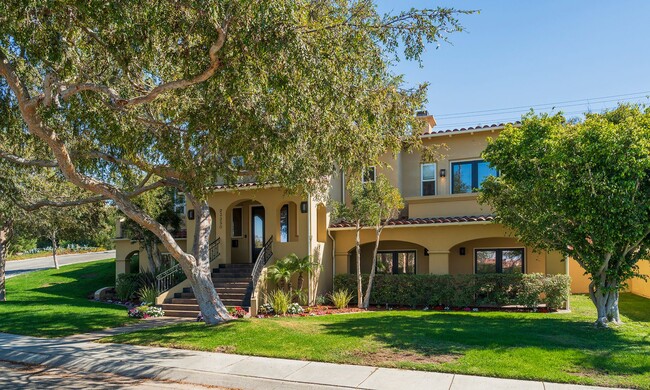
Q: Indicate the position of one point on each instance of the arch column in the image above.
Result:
(438, 262)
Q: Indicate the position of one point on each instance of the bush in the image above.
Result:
(126, 286)
(341, 298)
(295, 308)
(237, 312)
(462, 290)
(279, 301)
(148, 294)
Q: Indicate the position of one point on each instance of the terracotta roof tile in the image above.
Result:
(474, 128)
(242, 185)
(427, 221)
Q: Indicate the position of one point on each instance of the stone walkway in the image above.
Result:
(236, 371)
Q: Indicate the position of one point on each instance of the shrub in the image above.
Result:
(341, 298)
(462, 290)
(279, 301)
(237, 312)
(301, 296)
(148, 294)
(266, 308)
(146, 311)
(126, 286)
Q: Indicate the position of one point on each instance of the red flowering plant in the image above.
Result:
(237, 312)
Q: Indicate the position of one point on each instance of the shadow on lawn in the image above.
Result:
(605, 350)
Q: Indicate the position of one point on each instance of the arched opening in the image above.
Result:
(493, 255)
(321, 223)
(288, 223)
(133, 262)
(393, 257)
(245, 230)
(213, 229)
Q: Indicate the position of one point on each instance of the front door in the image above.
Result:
(257, 231)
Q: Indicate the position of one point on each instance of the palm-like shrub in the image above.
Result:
(281, 272)
(302, 266)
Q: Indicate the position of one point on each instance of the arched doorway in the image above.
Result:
(133, 262)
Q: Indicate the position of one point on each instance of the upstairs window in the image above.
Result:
(369, 175)
(284, 223)
(467, 176)
(428, 174)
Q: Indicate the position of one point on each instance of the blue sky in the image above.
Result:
(518, 53)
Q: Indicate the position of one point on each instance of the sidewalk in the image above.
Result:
(236, 371)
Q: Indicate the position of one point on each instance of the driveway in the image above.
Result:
(17, 267)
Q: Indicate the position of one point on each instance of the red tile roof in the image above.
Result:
(243, 185)
(426, 221)
(475, 128)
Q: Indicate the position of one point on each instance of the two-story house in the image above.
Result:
(443, 229)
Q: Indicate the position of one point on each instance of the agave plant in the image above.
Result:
(281, 272)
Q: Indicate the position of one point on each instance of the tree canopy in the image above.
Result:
(124, 97)
(579, 188)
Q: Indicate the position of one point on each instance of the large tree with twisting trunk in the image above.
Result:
(127, 96)
(580, 188)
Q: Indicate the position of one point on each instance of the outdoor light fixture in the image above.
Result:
(462, 251)
(303, 207)
(190, 214)
(443, 172)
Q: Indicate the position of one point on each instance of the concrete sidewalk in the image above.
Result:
(236, 371)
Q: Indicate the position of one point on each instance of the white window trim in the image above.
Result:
(363, 176)
(232, 222)
(435, 179)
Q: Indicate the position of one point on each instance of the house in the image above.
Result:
(442, 230)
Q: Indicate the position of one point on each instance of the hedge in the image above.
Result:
(529, 290)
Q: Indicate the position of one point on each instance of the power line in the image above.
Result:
(587, 100)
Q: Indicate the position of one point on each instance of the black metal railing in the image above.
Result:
(265, 255)
(174, 275)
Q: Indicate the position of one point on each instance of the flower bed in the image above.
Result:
(146, 311)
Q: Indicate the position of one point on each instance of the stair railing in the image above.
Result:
(175, 275)
(265, 255)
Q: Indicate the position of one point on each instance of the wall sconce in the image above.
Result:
(303, 207)
(462, 251)
(190, 214)
(443, 172)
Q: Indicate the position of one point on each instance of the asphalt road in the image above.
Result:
(17, 267)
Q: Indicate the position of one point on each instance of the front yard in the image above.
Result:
(550, 347)
(54, 303)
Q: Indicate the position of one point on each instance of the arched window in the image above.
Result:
(284, 223)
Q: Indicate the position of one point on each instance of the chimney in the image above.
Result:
(429, 119)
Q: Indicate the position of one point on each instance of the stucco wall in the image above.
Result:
(639, 286)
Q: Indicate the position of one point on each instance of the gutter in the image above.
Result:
(419, 225)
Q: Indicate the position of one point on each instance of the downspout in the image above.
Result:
(329, 234)
(309, 222)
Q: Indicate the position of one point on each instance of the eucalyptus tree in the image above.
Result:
(119, 92)
(579, 188)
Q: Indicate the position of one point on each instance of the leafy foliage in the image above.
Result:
(279, 301)
(341, 298)
(464, 290)
(580, 188)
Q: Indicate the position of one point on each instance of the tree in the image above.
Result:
(301, 266)
(120, 92)
(580, 188)
(281, 273)
(371, 204)
(160, 204)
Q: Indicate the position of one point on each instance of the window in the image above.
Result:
(284, 223)
(396, 262)
(237, 222)
(369, 175)
(467, 176)
(506, 261)
(179, 203)
(428, 179)
(237, 162)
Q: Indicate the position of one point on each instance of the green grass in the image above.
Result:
(54, 303)
(60, 251)
(551, 347)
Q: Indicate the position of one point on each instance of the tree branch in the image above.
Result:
(26, 162)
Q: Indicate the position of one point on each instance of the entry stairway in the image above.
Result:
(233, 283)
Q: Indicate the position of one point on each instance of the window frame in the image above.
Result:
(241, 223)
(499, 263)
(374, 174)
(434, 180)
(474, 163)
(396, 251)
(288, 223)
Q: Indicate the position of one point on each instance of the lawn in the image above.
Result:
(551, 347)
(54, 303)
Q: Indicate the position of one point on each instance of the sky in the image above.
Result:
(573, 55)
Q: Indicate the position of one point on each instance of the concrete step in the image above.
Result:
(224, 279)
(183, 301)
(181, 313)
(219, 275)
(179, 307)
(243, 265)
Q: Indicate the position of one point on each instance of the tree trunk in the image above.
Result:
(359, 281)
(606, 302)
(200, 274)
(147, 244)
(5, 236)
(366, 299)
(157, 257)
(301, 281)
(54, 249)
